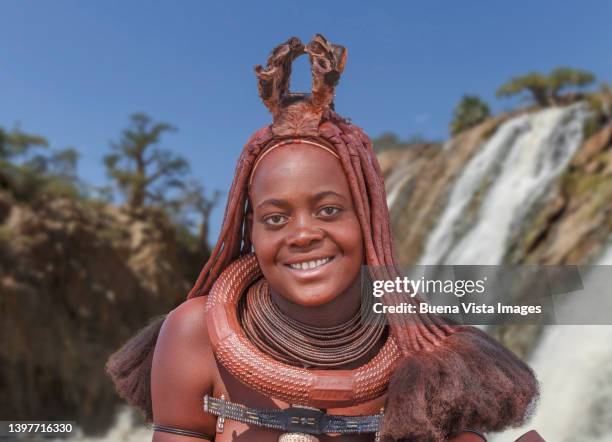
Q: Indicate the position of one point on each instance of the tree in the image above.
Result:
(535, 83)
(27, 171)
(545, 89)
(14, 145)
(563, 77)
(143, 171)
(469, 112)
(17, 143)
(194, 200)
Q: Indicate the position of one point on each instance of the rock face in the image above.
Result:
(532, 180)
(521, 188)
(573, 224)
(77, 279)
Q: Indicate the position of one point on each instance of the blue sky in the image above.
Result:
(75, 70)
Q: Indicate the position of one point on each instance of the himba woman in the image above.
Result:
(274, 342)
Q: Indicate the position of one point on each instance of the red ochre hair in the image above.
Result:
(450, 377)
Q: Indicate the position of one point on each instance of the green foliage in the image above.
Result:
(144, 172)
(153, 177)
(17, 143)
(535, 83)
(545, 89)
(27, 172)
(600, 105)
(470, 111)
(564, 77)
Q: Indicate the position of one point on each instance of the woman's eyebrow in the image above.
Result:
(274, 202)
(321, 195)
(283, 203)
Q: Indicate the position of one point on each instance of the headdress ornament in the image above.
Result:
(299, 114)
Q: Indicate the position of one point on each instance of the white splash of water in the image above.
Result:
(123, 430)
(510, 172)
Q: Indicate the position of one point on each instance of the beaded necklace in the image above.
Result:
(303, 345)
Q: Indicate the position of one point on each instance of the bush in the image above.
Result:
(470, 111)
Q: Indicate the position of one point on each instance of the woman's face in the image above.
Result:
(305, 231)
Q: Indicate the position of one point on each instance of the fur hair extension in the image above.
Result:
(470, 381)
(130, 367)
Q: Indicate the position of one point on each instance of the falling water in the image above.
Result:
(510, 172)
(501, 183)
(125, 429)
(573, 364)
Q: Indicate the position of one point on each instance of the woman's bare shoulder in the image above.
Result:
(183, 338)
(186, 322)
(184, 369)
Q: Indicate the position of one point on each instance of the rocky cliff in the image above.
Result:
(526, 187)
(534, 186)
(77, 279)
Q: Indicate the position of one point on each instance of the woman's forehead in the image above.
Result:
(298, 168)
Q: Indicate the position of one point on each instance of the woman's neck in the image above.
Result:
(336, 312)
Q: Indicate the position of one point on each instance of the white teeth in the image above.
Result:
(310, 264)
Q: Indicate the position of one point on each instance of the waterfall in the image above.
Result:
(124, 429)
(573, 364)
(395, 186)
(503, 180)
(489, 200)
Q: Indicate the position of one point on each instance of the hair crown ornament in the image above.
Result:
(299, 114)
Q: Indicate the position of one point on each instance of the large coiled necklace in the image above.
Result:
(302, 345)
(296, 385)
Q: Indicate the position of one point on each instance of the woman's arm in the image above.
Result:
(182, 373)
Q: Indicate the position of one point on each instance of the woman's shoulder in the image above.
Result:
(184, 368)
(183, 347)
(186, 322)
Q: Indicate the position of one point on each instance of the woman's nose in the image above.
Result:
(304, 236)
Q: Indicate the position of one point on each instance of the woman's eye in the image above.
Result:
(275, 220)
(329, 210)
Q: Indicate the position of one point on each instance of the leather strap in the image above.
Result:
(294, 419)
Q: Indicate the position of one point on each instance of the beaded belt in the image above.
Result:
(295, 419)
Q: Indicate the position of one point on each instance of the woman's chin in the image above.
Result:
(314, 298)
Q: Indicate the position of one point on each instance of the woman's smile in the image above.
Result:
(309, 267)
(304, 227)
